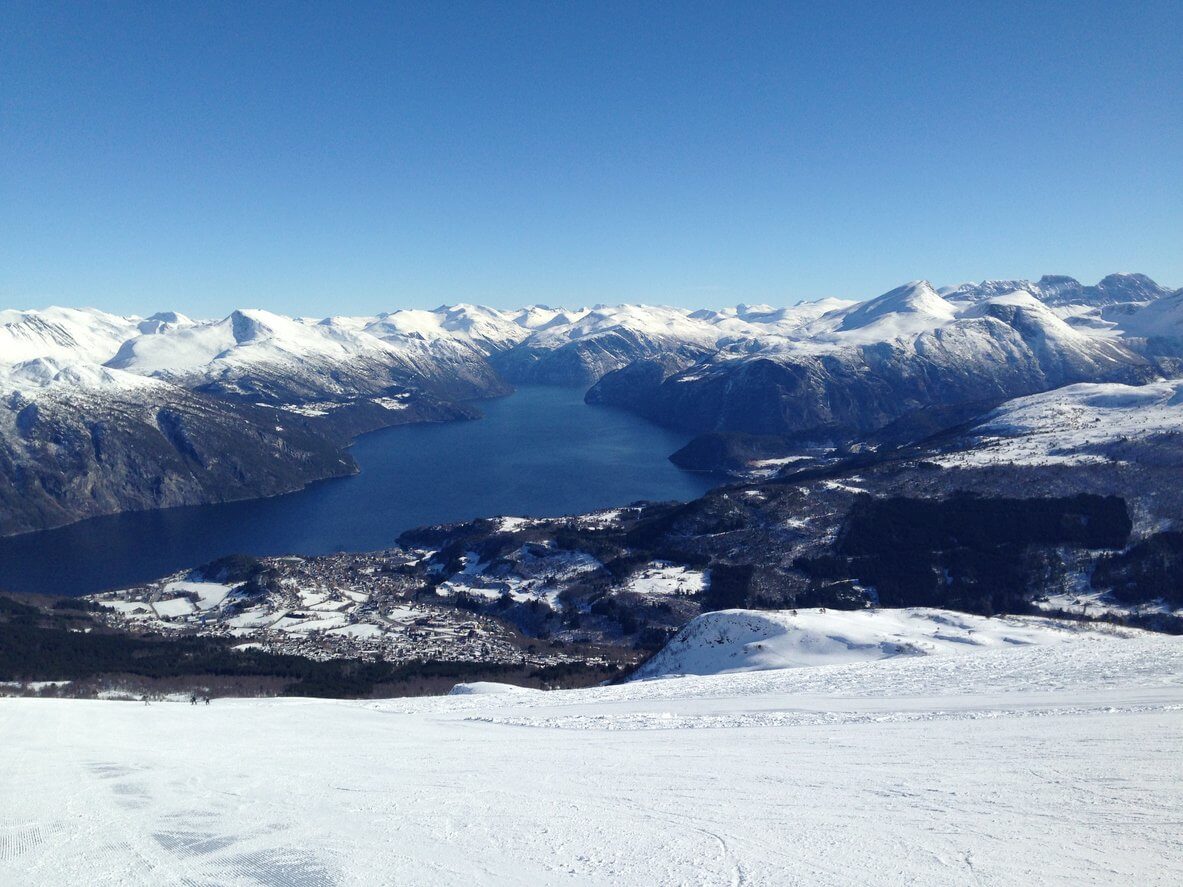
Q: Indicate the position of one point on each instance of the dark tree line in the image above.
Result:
(965, 552)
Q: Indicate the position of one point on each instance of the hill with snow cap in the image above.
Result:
(728, 641)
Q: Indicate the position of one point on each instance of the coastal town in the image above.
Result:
(347, 606)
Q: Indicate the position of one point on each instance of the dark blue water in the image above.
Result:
(539, 452)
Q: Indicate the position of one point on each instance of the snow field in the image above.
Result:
(1054, 764)
(663, 578)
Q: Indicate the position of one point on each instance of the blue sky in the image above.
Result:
(348, 157)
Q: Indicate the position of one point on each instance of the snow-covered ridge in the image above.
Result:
(1160, 318)
(170, 345)
(729, 641)
(43, 374)
(69, 334)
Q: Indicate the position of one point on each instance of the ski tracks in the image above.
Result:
(116, 823)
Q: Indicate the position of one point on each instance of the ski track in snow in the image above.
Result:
(1055, 764)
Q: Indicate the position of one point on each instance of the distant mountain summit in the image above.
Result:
(1058, 290)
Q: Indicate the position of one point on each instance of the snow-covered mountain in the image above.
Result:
(854, 369)
(71, 334)
(450, 349)
(1059, 290)
(263, 356)
(101, 414)
(1160, 320)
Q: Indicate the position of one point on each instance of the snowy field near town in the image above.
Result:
(1035, 760)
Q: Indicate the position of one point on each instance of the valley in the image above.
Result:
(762, 503)
(1051, 490)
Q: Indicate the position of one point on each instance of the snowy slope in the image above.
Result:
(909, 309)
(1060, 291)
(1077, 424)
(41, 375)
(751, 640)
(486, 328)
(273, 356)
(1161, 318)
(67, 334)
(1017, 765)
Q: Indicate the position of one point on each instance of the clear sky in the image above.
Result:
(318, 158)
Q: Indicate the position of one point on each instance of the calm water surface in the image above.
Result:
(539, 452)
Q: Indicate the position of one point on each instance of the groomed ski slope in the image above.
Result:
(1008, 764)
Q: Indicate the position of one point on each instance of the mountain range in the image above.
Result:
(103, 413)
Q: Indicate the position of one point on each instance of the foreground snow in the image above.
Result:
(1012, 764)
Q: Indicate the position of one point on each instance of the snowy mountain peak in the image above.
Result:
(1129, 288)
(253, 324)
(1058, 290)
(1160, 319)
(917, 298)
(71, 334)
(163, 321)
(170, 317)
(1056, 285)
(540, 343)
(1027, 314)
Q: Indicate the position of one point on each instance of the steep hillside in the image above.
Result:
(77, 442)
